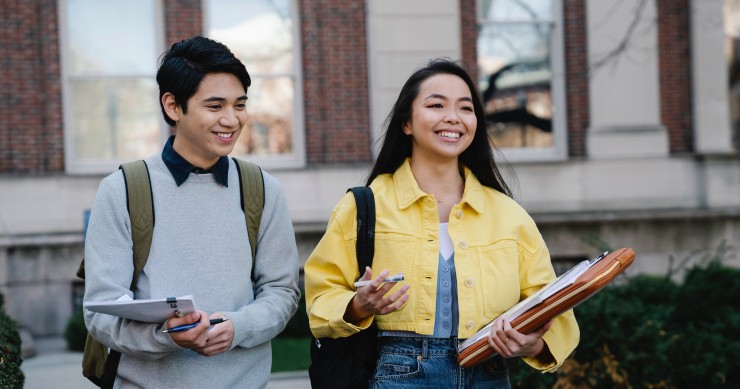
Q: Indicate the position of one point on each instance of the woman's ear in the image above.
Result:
(170, 106)
(407, 128)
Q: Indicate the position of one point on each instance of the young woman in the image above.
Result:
(445, 220)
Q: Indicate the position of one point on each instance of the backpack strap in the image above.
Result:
(252, 189)
(365, 246)
(140, 205)
(98, 363)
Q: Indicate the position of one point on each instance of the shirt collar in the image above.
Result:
(408, 191)
(180, 168)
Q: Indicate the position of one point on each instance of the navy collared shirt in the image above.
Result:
(181, 168)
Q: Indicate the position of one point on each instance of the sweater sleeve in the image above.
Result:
(109, 270)
(275, 274)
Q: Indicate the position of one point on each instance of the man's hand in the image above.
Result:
(370, 300)
(194, 337)
(219, 337)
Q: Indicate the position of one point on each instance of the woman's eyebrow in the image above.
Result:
(436, 96)
(443, 97)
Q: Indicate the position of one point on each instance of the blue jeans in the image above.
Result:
(419, 362)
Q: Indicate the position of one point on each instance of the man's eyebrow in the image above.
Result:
(220, 99)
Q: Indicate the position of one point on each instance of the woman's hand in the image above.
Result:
(510, 343)
(371, 300)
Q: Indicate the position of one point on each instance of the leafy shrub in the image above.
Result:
(651, 332)
(76, 333)
(11, 375)
(297, 326)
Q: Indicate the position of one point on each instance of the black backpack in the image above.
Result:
(349, 362)
(98, 364)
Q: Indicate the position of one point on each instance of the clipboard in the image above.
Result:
(145, 310)
(596, 276)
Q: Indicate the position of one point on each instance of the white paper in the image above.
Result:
(149, 310)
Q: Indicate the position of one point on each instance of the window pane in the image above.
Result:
(269, 117)
(516, 77)
(115, 118)
(260, 33)
(111, 97)
(102, 40)
(516, 10)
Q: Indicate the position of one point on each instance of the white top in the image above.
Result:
(445, 242)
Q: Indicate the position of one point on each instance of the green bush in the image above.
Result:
(76, 333)
(297, 326)
(650, 332)
(11, 375)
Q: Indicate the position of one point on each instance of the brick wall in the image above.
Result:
(335, 76)
(336, 106)
(31, 139)
(182, 19)
(674, 61)
(576, 75)
(469, 36)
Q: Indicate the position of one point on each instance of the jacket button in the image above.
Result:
(463, 244)
(459, 214)
(469, 282)
(469, 324)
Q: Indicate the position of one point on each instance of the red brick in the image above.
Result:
(576, 75)
(674, 63)
(336, 105)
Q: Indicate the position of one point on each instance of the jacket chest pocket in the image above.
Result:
(499, 266)
(395, 252)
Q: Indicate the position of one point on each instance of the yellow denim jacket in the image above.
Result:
(500, 259)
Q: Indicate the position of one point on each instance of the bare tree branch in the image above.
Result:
(624, 44)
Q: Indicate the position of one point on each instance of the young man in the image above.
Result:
(199, 245)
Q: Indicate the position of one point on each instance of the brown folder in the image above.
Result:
(602, 271)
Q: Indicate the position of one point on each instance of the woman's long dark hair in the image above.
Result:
(478, 157)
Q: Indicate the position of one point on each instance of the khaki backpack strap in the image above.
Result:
(252, 189)
(99, 365)
(141, 212)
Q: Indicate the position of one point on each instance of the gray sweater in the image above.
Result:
(199, 247)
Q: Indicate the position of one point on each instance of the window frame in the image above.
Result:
(559, 150)
(73, 163)
(297, 158)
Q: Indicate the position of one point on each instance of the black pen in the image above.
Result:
(186, 327)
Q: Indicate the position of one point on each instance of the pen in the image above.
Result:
(395, 278)
(186, 327)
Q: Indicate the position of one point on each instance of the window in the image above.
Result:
(111, 106)
(263, 34)
(732, 47)
(520, 76)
